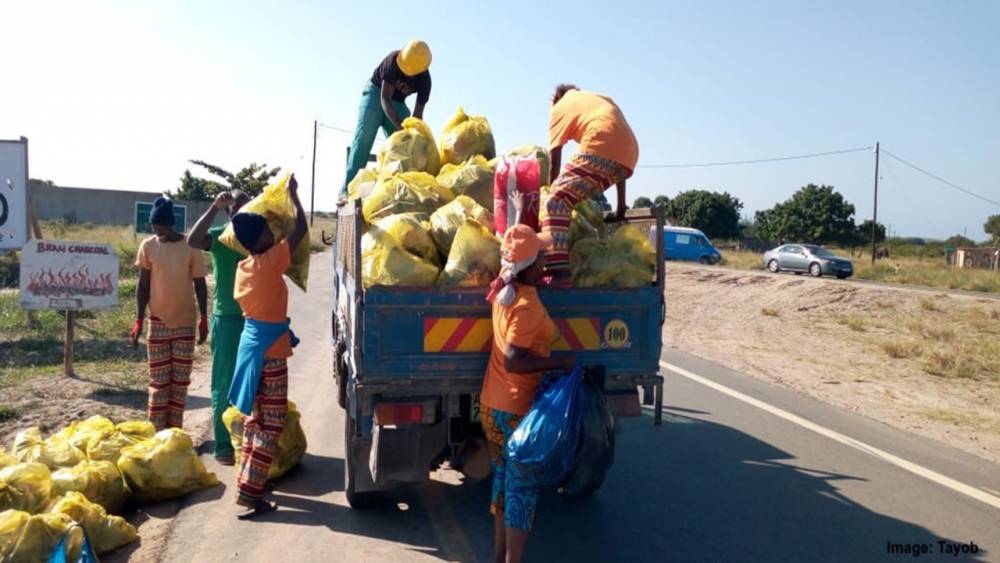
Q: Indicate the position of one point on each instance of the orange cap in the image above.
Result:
(521, 243)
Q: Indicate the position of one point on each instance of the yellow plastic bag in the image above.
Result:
(164, 467)
(409, 192)
(626, 260)
(446, 221)
(411, 149)
(106, 533)
(587, 221)
(33, 538)
(275, 205)
(291, 443)
(465, 136)
(363, 183)
(384, 261)
(79, 433)
(25, 486)
(55, 452)
(474, 260)
(99, 481)
(7, 459)
(473, 178)
(106, 444)
(412, 231)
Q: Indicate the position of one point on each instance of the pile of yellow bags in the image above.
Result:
(26, 537)
(105, 532)
(385, 261)
(25, 486)
(99, 481)
(55, 452)
(625, 260)
(275, 205)
(465, 136)
(412, 231)
(291, 443)
(407, 192)
(164, 467)
(411, 149)
(473, 178)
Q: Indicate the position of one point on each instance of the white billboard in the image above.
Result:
(13, 194)
(68, 275)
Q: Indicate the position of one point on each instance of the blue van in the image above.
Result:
(691, 245)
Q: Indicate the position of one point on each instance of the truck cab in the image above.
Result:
(687, 244)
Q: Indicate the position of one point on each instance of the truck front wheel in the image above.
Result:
(357, 500)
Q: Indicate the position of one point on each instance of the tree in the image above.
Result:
(716, 214)
(959, 241)
(816, 214)
(252, 179)
(602, 200)
(865, 232)
(642, 202)
(661, 202)
(992, 226)
(32, 182)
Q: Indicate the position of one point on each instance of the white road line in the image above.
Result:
(921, 471)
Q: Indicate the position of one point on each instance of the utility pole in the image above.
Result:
(875, 207)
(312, 203)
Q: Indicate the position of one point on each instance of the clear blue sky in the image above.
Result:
(121, 94)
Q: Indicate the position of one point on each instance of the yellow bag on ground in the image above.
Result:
(164, 467)
(291, 443)
(384, 261)
(99, 481)
(363, 184)
(55, 452)
(79, 433)
(409, 192)
(6, 459)
(446, 221)
(106, 445)
(275, 205)
(25, 486)
(474, 259)
(473, 178)
(106, 533)
(412, 231)
(34, 537)
(465, 136)
(411, 149)
(626, 260)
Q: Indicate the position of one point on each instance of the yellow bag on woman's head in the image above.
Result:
(275, 205)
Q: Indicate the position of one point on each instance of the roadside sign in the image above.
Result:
(13, 193)
(142, 209)
(68, 275)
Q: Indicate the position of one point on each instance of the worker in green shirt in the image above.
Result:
(227, 317)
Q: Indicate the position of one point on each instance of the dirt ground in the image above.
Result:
(925, 362)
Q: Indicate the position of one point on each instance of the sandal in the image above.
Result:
(263, 507)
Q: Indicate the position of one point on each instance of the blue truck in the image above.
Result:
(409, 362)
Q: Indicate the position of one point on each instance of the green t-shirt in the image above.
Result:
(224, 261)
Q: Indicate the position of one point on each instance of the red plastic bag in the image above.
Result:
(523, 174)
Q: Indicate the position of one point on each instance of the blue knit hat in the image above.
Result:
(162, 212)
(248, 227)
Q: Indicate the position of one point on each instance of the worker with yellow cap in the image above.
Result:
(400, 74)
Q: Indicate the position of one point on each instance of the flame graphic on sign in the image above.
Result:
(66, 283)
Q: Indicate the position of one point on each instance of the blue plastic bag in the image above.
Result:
(60, 555)
(545, 442)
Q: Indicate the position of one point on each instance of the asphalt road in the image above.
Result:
(721, 479)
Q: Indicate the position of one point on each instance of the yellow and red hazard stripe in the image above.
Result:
(469, 334)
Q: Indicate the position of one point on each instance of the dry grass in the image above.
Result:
(928, 305)
(857, 323)
(963, 419)
(900, 349)
(769, 312)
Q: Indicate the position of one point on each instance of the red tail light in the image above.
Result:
(409, 412)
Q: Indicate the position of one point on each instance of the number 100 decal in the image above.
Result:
(616, 335)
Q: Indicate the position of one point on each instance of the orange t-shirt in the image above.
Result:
(172, 268)
(596, 123)
(525, 324)
(262, 294)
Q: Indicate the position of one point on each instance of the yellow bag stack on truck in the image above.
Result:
(465, 136)
(411, 149)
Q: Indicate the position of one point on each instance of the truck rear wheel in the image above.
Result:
(358, 501)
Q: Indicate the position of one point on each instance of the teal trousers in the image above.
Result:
(225, 333)
(371, 118)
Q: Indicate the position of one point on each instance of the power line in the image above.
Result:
(942, 180)
(335, 128)
(757, 161)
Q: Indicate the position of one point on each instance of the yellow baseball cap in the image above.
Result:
(414, 58)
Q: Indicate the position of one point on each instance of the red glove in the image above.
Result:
(133, 334)
(202, 330)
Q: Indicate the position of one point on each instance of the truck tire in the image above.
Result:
(358, 501)
(340, 374)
